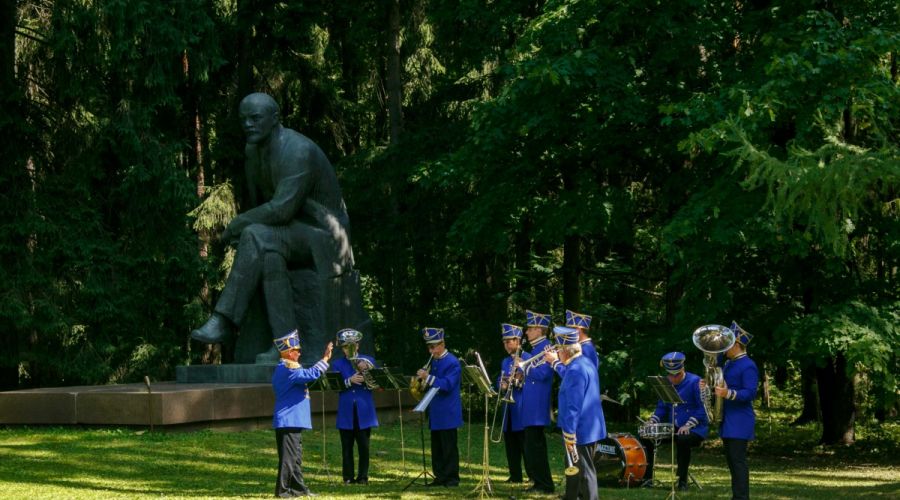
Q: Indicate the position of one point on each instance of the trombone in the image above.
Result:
(506, 397)
(535, 361)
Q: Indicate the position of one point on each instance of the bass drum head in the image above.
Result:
(620, 460)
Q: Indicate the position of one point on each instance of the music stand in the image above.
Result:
(667, 394)
(329, 381)
(420, 409)
(477, 376)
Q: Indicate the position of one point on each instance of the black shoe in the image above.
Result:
(452, 484)
(511, 480)
(535, 489)
(434, 483)
(348, 481)
(216, 329)
(364, 482)
(682, 486)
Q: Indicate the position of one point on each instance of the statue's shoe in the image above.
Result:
(269, 357)
(215, 330)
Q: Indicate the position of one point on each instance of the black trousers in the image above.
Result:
(290, 461)
(514, 442)
(537, 464)
(584, 484)
(361, 438)
(736, 455)
(683, 445)
(445, 457)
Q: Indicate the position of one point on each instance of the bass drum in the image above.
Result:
(620, 459)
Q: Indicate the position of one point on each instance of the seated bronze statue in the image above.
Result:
(298, 220)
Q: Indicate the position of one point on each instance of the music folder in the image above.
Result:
(329, 381)
(664, 389)
(388, 380)
(477, 377)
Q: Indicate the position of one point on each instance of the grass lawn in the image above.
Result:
(127, 463)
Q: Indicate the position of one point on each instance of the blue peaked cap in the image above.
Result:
(673, 362)
(537, 319)
(741, 335)
(288, 342)
(508, 331)
(565, 335)
(577, 320)
(432, 335)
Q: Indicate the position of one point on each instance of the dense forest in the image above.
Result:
(658, 165)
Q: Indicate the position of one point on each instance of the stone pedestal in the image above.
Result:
(322, 306)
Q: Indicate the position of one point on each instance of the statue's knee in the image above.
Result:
(255, 233)
(274, 265)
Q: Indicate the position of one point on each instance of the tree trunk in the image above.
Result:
(808, 392)
(393, 73)
(837, 397)
(14, 181)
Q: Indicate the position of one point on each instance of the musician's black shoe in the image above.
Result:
(452, 484)
(682, 486)
(348, 481)
(364, 482)
(216, 329)
(535, 489)
(512, 480)
(434, 483)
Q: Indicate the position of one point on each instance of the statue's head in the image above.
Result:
(259, 115)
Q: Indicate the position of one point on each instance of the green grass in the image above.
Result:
(38, 463)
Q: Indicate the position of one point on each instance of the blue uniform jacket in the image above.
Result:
(690, 412)
(354, 395)
(738, 419)
(445, 410)
(292, 395)
(580, 412)
(536, 393)
(514, 410)
(587, 350)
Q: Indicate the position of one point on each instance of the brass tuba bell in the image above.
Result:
(713, 340)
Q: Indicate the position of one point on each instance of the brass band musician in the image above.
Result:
(691, 422)
(445, 410)
(510, 383)
(356, 410)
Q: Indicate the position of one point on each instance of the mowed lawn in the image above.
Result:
(127, 463)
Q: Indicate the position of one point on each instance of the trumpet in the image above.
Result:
(571, 460)
(535, 361)
(417, 385)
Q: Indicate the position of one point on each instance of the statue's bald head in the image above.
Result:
(259, 115)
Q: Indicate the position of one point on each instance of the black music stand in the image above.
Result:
(424, 474)
(386, 379)
(477, 377)
(667, 394)
(329, 381)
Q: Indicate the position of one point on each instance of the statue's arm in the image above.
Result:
(294, 180)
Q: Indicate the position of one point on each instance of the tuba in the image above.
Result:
(713, 340)
(416, 385)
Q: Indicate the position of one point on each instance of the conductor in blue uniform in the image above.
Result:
(582, 324)
(445, 410)
(691, 421)
(738, 419)
(580, 414)
(292, 414)
(535, 407)
(510, 382)
(356, 411)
